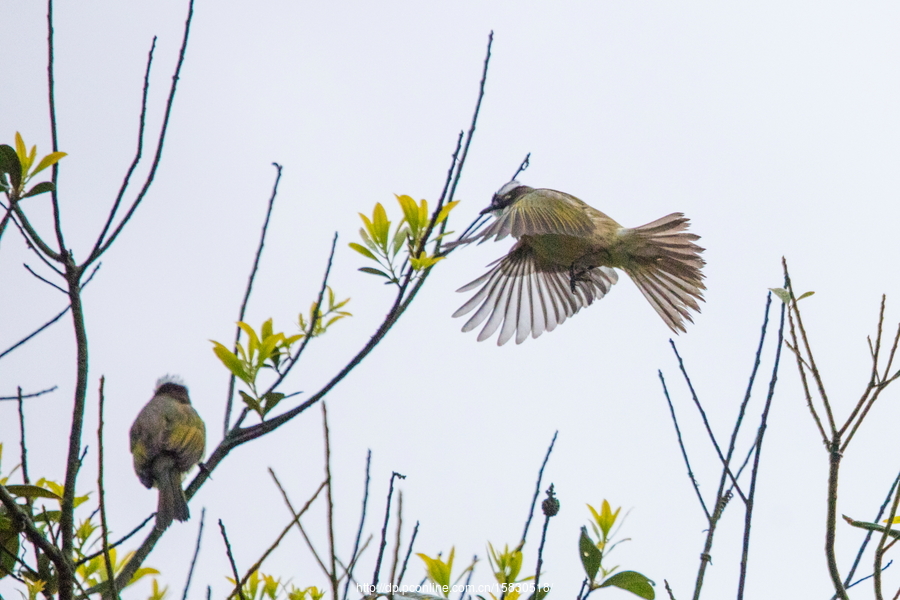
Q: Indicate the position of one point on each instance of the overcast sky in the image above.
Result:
(774, 126)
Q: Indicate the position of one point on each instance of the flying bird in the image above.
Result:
(168, 437)
(565, 258)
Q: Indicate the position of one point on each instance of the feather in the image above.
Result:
(522, 295)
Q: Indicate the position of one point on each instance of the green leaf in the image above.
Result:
(41, 188)
(48, 161)
(380, 226)
(372, 271)
(591, 557)
(362, 250)
(410, 210)
(9, 163)
(31, 491)
(805, 295)
(231, 362)
(253, 342)
(633, 582)
(270, 400)
(48, 516)
(782, 293)
(22, 153)
(399, 237)
(252, 403)
(445, 211)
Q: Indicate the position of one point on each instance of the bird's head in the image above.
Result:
(509, 193)
(174, 387)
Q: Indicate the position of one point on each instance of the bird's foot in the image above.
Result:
(578, 274)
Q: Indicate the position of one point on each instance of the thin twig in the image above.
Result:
(706, 424)
(187, 584)
(332, 574)
(754, 472)
(237, 578)
(396, 558)
(295, 520)
(362, 521)
(408, 553)
(387, 517)
(44, 279)
(248, 291)
(159, 145)
(687, 461)
(104, 529)
(525, 164)
(91, 557)
(22, 445)
(537, 490)
(462, 160)
(31, 395)
(290, 506)
(51, 105)
(35, 332)
(540, 555)
(137, 156)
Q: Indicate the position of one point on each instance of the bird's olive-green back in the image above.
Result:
(167, 426)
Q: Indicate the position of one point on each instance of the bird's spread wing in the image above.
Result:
(540, 212)
(526, 296)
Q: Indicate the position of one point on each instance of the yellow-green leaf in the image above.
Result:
(48, 161)
(362, 250)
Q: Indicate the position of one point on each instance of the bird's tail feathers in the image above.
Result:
(665, 264)
(172, 503)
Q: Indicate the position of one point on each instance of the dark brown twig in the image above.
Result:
(295, 520)
(159, 145)
(104, 529)
(409, 550)
(332, 574)
(387, 517)
(684, 455)
(362, 521)
(537, 490)
(758, 444)
(137, 156)
(22, 445)
(248, 290)
(239, 591)
(187, 584)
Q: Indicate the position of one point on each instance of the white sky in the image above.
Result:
(773, 126)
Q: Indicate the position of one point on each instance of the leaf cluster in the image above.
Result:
(16, 170)
(260, 586)
(593, 553)
(268, 349)
(409, 235)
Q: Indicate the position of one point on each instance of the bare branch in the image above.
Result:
(537, 490)
(134, 163)
(239, 590)
(159, 145)
(187, 584)
(248, 291)
(104, 529)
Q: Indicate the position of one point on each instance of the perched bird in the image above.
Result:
(168, 437)
(564, 260)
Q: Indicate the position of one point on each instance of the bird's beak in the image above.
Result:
(487, 210)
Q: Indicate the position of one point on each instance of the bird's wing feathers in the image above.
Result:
(521, 295)
(540, 212)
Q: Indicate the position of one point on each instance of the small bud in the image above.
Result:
(550, 505)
